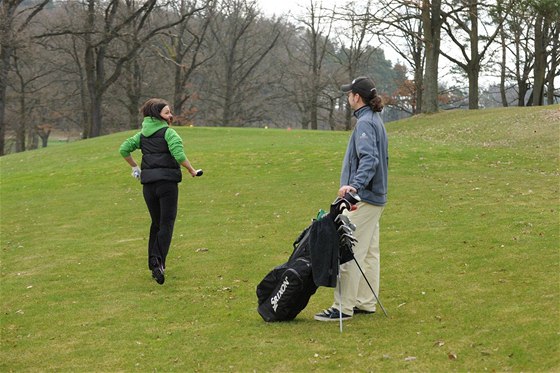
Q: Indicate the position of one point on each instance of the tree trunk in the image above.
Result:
(314, 107)
(522, 92)
(43, 132)
(332, 122)
(347, 108)
(315, 72)
(418, 74)
(179, 88)
(20, 126)
(227, 108)
(5, 52)
(89, 65)
(474, 63)
(503, 95)
(431, 19)
(96, 116)
(540, 59)
(430, 91)
(473, 85)
(7, 9)
(45, 140)
(348, 116)
(32, 140)
(134, 94)
(554, 52)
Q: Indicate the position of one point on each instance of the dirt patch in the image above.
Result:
(552, 114)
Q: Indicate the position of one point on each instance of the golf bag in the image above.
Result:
(285, 291)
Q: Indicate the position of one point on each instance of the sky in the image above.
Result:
(277, 7)
(280, 7)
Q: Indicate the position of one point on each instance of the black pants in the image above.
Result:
(161, 198)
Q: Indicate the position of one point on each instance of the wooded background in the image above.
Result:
(87, 66)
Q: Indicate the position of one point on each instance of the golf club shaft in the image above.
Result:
(339, 297)
(370, 287)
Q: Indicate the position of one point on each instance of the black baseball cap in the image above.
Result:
(362, 85)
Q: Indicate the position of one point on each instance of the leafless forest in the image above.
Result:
(86, 66)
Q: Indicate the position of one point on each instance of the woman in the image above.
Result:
(162, 156)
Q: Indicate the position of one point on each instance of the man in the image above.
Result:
(364, 171)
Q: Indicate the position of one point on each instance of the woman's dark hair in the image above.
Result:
(153, 107)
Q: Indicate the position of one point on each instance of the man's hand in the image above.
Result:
(345, 189)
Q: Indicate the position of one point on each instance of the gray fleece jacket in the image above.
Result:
(366, 161)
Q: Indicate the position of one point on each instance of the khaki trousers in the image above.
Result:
(352, 290)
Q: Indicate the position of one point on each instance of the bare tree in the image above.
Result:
(29, 81)
(462, 23)
(547, 15)
(183, 48)
(519, 48)
(133, 70)
(105, 53)
(13, 21)
(315, 42)
(360, 22)
(240, 49)
(405, 36)
(500, 17)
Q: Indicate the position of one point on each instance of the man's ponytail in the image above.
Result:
(376, 103)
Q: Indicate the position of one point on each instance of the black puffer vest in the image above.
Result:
(157, 162)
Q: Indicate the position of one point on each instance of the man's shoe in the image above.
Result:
(157, 274)
(332, 314)
(357, 310)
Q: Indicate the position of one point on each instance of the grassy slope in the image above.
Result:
(469, 253)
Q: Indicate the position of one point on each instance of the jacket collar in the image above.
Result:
(361, 111)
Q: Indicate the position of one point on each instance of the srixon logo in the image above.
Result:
(275, 299)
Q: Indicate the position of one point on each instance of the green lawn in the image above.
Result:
(469, 241)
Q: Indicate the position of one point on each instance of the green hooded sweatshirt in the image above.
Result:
(149, 127)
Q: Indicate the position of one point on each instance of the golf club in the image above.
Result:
(371, 288)
(353, 198)
(343, 219)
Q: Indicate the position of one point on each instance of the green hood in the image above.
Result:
(151, 125)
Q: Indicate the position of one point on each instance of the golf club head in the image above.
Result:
(339, 205)
(348, 202)
(344, 229)
(342, 219)
(348, 227)
(348, 237)
(345, 220)
(352, 198)
(346, 251)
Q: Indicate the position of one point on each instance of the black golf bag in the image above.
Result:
(285, 291)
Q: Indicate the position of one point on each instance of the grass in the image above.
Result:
(469, 241)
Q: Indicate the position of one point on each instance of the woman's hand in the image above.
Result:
(136, 172)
